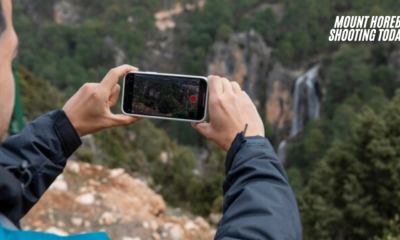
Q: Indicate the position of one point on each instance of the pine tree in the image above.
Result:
(355, 190)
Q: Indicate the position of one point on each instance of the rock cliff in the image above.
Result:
(243, 58)
(246, 59)
(279, 105)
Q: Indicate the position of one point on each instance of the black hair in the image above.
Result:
(2, 20)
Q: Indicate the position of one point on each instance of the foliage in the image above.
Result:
(70, 56)
(342, 176)
(38, 96)
(168, 104)
(177, 172)
(184, 186)
(355, 189)
(148, 150)
(307, 152)
(392, 232)
(206, 192)
(295, 179)
(264, 22)
(138, 148)
(353, 85)
(349, 74)
(85, 155)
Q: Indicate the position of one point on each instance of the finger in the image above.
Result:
(215, 85)
(227, 86)
(88, 87)
(123, 120)
(113, 76)
(245, 95)
(114, 95)
(236, 87)
(7, 12)
(247, 98)
(203, 128)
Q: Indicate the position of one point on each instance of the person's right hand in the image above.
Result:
(230, 110)
(89, 109)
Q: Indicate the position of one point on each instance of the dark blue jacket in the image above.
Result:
(258, 204)
(29, 163)
(45, 145)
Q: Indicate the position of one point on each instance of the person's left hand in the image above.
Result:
(89, 109)
(8, 51)
(9, 38)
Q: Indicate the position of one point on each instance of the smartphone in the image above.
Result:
(165, 96)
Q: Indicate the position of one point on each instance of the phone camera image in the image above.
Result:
(170, 97)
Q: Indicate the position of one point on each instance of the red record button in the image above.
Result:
(193, 99)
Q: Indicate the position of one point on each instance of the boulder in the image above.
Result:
(65, 13)
(59, 184)
(85, 199)
(99, 199)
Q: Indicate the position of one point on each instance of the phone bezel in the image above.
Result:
(160, 117)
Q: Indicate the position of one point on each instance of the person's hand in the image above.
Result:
(8, 51)
(8, 38)
(230, 110)
(89, 109)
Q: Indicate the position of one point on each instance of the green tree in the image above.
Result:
(168, 104)
(349, 74)
(385, 77)
(175, 175)
(392, 232)
(224, 31)
(355, 190)
(38, 96)
(307, 151)
(205, 191)
(302, 44)
(285, 52)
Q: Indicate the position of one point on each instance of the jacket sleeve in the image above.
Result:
(258, 200)
(45, 145)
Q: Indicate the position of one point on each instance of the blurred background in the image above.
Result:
(330, 110)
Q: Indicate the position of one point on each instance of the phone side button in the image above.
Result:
(151, 72)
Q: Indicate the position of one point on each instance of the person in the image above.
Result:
(258, 200)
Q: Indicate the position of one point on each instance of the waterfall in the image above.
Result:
(282, 151)
(312, 100)
(299, 97)
(313, 103)
(297, 111)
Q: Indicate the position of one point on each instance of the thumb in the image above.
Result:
(123, 120)
(203, 128)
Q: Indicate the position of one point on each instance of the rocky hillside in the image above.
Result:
(91, 198)
(279, 92)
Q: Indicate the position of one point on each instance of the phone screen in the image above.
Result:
(165, 96)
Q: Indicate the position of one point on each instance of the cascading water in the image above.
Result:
(282, 151)
(298, 108)
(313, 103)
(313, 106)
(313, 100)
